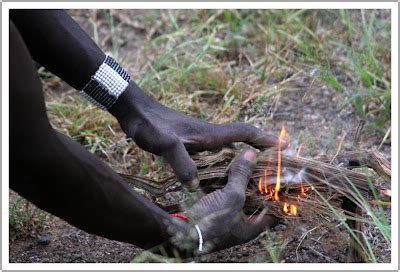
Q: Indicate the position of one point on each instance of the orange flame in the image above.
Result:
(285, 208)
(302, 191)
(282, 136)
(290, 209)
(271, 192)
(265, 181)
(293, 209)
(260, 185)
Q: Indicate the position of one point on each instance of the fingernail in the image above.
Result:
(193, 184)
(273, 140)
(250, 155)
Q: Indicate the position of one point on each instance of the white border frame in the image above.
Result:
(198, 5)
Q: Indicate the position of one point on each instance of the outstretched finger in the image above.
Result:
(241, 132)
(182, 165)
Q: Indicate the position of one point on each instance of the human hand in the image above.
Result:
(172, 135)
(219, 215)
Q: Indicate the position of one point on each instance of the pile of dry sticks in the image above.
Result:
(331, 187)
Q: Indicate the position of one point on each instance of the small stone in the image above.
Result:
(44, 239)
(280, 227)
(77, 256)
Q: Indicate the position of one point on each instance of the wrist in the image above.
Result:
(107, 84)
(191, 238)
(125, 103)
(131, 104)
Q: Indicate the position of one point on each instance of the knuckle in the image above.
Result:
(187, 174)
(242, 169)
(170, 142)
(185, 170)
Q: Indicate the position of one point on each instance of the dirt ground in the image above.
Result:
(310, 110)
(69, 245)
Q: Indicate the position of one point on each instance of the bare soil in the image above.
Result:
(69, 245)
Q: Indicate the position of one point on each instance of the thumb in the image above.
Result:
(182, 164)
(241, 170)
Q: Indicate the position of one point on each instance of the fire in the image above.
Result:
(282, 137)
(290, 209)
(260, 185)
(265, 181)
(293, 209)
(272, 192)
(285, 208)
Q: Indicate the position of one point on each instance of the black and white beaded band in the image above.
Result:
(107, 84)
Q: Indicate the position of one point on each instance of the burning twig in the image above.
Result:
(330, 180)
(287, 185)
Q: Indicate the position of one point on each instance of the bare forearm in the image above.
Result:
(58, 43)
(63, 178)
(73, 184)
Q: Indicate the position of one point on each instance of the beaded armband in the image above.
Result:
(107, 84)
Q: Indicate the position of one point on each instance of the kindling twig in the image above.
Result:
(329, 187)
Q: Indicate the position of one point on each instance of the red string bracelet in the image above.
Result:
(181, 216)
(184, 217)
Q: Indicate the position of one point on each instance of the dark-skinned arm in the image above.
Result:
(60, 45)
(61, 177)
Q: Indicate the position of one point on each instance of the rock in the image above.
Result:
(280, 227)
(44, 238)
(77, 256)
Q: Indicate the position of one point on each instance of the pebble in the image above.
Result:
(280, 227)
(44, 239)
(76, 256)
(308, 110)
